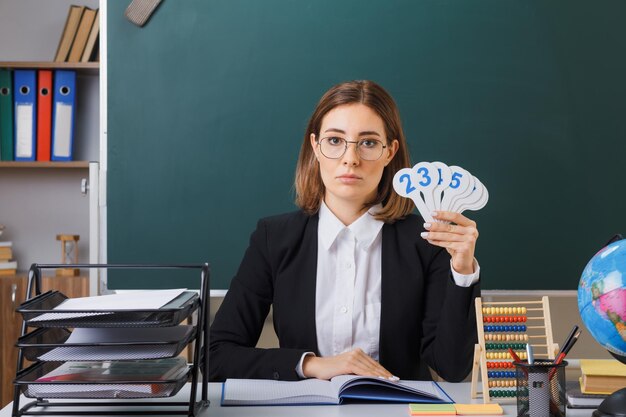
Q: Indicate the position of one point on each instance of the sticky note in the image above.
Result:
(432, 409)
(478, 409)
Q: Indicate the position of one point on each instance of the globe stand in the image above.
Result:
(613, 406)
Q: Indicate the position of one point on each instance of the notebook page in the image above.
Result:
(266, 391)
(425, 388)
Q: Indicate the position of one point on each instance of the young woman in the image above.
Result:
(358, 284)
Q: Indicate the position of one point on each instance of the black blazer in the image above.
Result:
(426, 319)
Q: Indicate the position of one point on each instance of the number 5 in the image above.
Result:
(456, 180)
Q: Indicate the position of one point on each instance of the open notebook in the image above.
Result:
(335, 391)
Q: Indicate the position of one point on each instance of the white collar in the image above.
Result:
(366, 228)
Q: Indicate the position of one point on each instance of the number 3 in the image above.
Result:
(424, 172)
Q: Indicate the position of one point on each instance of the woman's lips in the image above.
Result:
(349, 179)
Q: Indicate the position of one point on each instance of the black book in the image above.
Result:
(576, 399)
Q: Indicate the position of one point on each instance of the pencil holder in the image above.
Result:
(540, 388)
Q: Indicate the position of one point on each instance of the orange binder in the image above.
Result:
(44, 114)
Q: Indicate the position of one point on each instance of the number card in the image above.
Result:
(445, 176)
(404, 182)
(435, 186)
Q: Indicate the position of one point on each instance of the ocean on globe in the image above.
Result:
(602, 298)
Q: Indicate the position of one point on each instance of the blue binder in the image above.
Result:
(25, 114)
(63, 110)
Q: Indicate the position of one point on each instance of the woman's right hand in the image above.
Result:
(352, 362)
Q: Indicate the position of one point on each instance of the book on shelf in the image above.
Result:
(8, 265)
(69, 32)
(92, 44)
(82, 34)
(335, 391)
(602, 376)
(140, 376)
(6, 253)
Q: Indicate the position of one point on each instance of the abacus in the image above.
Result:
(504, 325)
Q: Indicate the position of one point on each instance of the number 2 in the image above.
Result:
(409, 187)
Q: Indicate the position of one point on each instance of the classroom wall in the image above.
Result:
(35, 204)
(207, 106)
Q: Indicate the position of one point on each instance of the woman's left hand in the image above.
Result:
(458, 237)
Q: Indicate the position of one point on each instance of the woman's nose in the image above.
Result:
(351, 157)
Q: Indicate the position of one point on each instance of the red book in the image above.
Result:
(44, 114)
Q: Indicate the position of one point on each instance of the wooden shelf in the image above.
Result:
(92, 68)
(61, 165)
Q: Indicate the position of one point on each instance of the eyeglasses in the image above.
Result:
(333, 147)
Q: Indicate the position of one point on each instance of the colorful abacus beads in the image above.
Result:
(505, 355)
(506, 337)
(498, 393)
(511, 383)
(504, 319)
(501, 374)
(505, 346)
(501, 365)
(506, 328)
(504, 310)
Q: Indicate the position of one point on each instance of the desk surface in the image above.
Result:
(459, 392)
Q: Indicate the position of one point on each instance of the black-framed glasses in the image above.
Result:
(333, 147)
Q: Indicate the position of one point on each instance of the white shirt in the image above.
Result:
(348, 285)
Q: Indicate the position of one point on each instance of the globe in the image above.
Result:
(602, 298)
(602, 306)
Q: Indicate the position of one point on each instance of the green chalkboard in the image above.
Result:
(207, 106)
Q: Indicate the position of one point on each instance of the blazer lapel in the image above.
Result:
(309, 283)
(393, 301)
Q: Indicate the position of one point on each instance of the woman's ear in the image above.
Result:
(314, 144)
(392, 149)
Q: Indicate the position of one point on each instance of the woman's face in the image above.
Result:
(350, 178)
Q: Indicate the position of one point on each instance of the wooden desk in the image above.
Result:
(459, 392)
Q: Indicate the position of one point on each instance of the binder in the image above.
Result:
(44, 114)
(6, 115)
(25, 93)
(63, 110)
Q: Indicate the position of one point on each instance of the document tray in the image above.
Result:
(170, 314)
(26, 380)
(118, 348)
(51, 343)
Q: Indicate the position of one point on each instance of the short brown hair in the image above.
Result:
(309, 186)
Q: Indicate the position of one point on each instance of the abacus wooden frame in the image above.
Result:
(479, 366)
